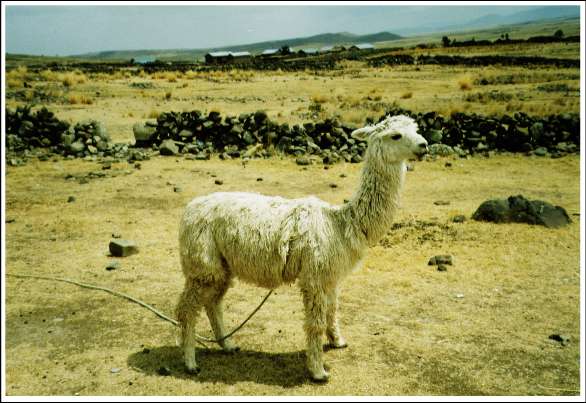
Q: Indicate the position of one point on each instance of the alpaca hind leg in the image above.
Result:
(335, 338)
(188, 310)
(315, 325)
(214, 310)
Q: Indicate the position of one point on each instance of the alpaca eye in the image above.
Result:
(396, 136)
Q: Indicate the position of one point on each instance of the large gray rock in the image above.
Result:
(168, 147)
(76, 147)
(143, 133)
(519, 209)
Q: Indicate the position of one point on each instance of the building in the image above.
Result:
(307, 52)
(144, 59)
(240, 56)
(218, 57)
(362, 46)
(226, 57)
(270, 52)
(326, 49)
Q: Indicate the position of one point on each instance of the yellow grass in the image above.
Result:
(408, 332)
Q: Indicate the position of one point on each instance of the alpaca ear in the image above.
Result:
(362, 134)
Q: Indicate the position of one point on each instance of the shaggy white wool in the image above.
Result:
(269, 241)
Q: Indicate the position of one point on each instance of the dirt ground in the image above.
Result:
(481, 328)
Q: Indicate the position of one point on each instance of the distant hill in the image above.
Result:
(341, 38)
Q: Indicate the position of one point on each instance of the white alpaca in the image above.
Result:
(270, 241)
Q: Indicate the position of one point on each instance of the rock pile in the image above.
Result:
(255, 135)
(239, 136)
(554, 135)
(28, 132)
(519, 209)
(487, 60)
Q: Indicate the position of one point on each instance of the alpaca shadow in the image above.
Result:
(282, 369)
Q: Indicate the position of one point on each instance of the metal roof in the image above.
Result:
(326, 48)
(364, 46)
(240, 54)
(219, 54)
(309, 50)
(269, 51)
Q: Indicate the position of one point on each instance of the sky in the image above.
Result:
(70, 30)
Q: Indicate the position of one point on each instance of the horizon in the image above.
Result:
(55, 30)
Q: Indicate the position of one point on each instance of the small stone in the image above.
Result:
(459, 296)
(343, 175)
(441, 267)
(259, 179)
(137, 165)
(410, 168)
(164, 371)
(115, 370)
(441, 203)
(84, 181)
(116, 235)
(70, 199)
(113, 265)
(219, 182)
(440, 259)
(459, 218)
(107, 165)
(563, 340)
(302, 161)
(448, 164)
(177, 189)
(333, 185)
(10, 220)
(122, 248)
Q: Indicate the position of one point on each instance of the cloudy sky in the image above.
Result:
(68, 30)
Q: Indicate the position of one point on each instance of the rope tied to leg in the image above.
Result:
(145, 305)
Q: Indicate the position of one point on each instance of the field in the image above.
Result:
(481, 328)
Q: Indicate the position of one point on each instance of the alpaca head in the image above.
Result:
(393, 139)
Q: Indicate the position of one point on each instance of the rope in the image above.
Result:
(145, 305)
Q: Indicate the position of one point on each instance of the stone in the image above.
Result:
(302, 161)
(123, 248)
(185, 133)
(70, 199)
(177, 189)
(563, 340)
(143, 134)
(540, 151)
(168, 147)
(164, 371)
(441, 203)
(219, 182)
(441, 150)
(115, 370)
(459, 218)
(441, 267)
(113, 265)
(76, 147)
(201, 156)
(521, 210)
(333, 185)
(440, 259)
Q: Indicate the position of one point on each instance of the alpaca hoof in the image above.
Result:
(321, 378)
(193, 370)
(230, 348)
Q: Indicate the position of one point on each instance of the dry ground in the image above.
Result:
(410, 331)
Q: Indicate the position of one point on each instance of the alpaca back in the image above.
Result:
(254, 237)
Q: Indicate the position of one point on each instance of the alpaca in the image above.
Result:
(270, 241)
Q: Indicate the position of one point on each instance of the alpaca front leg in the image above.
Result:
(335, 338)
(315, 326)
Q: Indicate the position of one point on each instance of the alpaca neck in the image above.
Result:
(372, 208)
